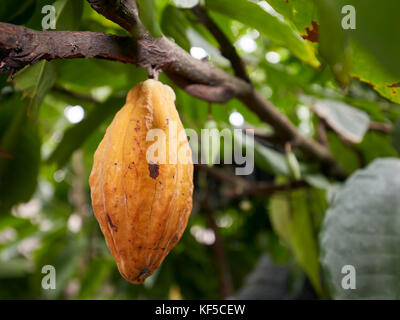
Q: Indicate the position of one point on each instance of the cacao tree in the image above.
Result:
(297, 198)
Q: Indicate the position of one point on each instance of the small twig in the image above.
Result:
(226, 47)
(381, 127)
(321, 132)
(153, 72)
(241, 187)
(226, 286)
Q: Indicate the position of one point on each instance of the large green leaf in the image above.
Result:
(35, 81)
(19, 140)
(369, 48)
(301, 12)
(362, 229)
(290, 215)
(269, 24)
(368, 69)
(333, 40)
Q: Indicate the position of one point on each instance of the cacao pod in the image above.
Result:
(142, 201)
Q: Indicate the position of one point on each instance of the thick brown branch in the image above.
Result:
(21, 46)
(226, 47)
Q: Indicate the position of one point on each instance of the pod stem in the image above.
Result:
(153, 72)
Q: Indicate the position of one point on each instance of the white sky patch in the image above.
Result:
(305, 126)
(224, 221)
(59, 175)
(267, 7)
(236, 119)
(247, 44)
(8, 234)
(303, 112)
(74, 223)
(27, 246)
(27, 210)
(273, 57)
(198, 53)
(203, 235)
(253, 33)
(74, 114)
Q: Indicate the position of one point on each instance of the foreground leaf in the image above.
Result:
(362, 229)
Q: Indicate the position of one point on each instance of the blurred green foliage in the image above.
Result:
(45, 157)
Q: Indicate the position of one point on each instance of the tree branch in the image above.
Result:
(225, 46)
(21, 46)
(241, 187)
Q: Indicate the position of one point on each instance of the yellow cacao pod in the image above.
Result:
(142, 195)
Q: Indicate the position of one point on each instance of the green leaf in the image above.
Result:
(68, 14)
(375, 57)
(396, 136)
(19, 139)
(293, 165)
(349, 122)
(270, 160)
(94, 277)
(269, 24)
(368, 69)
(265, 158)
(147, 14)
(280, 216)
(301, 12)
(333, 40)
(362, 229)
(35, 81)
(76, 135)
(174, 24)
(347, 158)
(376, 145)
(291, 219)
(17, 11)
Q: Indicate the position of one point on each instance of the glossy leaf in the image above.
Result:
(35, 81)
(361, 229)
(148, 17)
(349, 122)
(269, 24)
(291, 218)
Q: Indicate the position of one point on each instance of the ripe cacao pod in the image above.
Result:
(142, 201)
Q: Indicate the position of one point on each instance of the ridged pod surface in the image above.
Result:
(142, 201)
